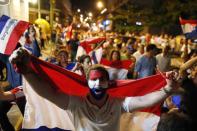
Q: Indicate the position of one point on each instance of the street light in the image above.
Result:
(78, 10)
(103, 11)
(100, 4)
(90, 14)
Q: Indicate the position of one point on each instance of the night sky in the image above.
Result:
(84, 5)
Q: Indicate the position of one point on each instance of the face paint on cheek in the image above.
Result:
(97, 79)
(97, 90)
(91, 84)
(98, 84)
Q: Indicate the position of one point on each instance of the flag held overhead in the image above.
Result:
(189, 28)
(10, 32)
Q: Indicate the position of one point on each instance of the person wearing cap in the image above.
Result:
(97, 111)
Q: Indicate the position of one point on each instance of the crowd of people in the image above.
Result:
(148, 55)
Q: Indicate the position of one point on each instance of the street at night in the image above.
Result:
(98, 65)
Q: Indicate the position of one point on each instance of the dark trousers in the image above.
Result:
(2, 66)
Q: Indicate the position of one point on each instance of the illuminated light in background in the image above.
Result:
(78, 25)
(90, 14)
(95, 28)
(94, 24)
(103, 11)
(106, 22)
(81, 19)
(100, 4)
(87, 25)
(138, 23)
(100, 25)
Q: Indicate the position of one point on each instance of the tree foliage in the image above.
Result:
(161, 14)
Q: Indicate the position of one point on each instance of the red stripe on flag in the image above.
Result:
(63, 80)
(87, 43)
(73, 84)
(15, 36)
(119, 64)
(182, 21)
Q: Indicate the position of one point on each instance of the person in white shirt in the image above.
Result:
(97, 111)
(139, 52)
(164, 60)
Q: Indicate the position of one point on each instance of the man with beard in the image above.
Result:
(97, 111)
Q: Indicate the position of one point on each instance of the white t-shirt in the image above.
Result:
(163, 63)
(88, 117)
(137, 55)
(117, 74)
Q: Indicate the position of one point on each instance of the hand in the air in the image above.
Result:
(20, 59)
(172, 80)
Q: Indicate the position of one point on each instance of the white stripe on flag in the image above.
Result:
(139, 121)
(6, 32)
(98, 55)
(117, 74)
(187, 28)
(40, 112)
(80, 51)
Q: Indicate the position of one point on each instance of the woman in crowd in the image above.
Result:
(62, 60)
(83, 64)
(115, 55)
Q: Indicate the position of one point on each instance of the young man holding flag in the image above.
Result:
(97, 110)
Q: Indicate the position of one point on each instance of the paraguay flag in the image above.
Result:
(74, 84)
(117, 69)
(90, 47)
(93, 47)
(10, 33)
(189, 28)
(41, 114)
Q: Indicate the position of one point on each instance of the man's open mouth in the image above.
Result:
(98, 91)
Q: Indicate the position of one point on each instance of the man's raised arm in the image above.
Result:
(136, 103)
(20, 59)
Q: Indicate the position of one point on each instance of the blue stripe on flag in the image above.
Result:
(94, 57)
(192, 35)
(3, 21)
(44, 128)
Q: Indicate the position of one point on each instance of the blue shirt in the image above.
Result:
(14, 78)
(145, 66)
(68, 67)
(36, 49)
(176, 99)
